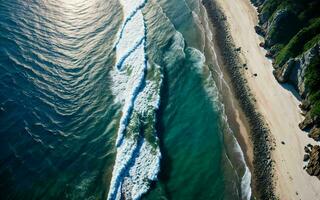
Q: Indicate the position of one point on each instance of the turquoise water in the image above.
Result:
(63, 102)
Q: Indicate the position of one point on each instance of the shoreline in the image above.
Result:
(246, 119)
(238, 149)
(270, 108)
(236, 117)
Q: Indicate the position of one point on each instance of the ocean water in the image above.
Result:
(113, 99)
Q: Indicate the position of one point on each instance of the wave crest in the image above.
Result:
(137, 87)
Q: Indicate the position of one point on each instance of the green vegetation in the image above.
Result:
(296, 31)
(313, 84)
(297, 44)
(311, 43)
(293, 27)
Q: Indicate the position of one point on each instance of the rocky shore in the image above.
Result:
(294, 69)
(313, 156)
(262, 143)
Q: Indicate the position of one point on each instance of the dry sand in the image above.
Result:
(277, 104)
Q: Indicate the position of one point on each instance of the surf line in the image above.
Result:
(129, 104)
(133, 13)
(137, 161)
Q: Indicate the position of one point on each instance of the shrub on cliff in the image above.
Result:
(296, 45)
(312, 78)
(292, 28)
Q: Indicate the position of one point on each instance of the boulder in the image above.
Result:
(315, 134)
(306, 149)
(259, 30)
(283, 73)
(306, 157)
(305, 105)
(313, 167)
(269, 54)
(307, 122)
(310, 145)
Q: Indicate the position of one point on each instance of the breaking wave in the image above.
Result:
(137, 87)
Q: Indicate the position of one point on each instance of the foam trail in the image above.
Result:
(134, 88)
(133, 8)
(245, 185)
(138, 158)
(123, 58)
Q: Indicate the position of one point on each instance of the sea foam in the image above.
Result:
(138, 155)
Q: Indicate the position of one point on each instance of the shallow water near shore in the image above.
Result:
(68, 86)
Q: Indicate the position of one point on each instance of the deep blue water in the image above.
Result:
(59, 115)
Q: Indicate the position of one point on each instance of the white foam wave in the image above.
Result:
(131, 86)
(138, 159)
(176, 52)
(196, 58)
(246, 184)
(130, 8)
(132, 37)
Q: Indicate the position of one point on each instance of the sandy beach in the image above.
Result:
(277, 104)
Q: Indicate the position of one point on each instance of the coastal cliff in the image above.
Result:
(291, 29)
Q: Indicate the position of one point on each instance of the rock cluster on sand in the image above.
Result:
(315, 134)
(313, 167)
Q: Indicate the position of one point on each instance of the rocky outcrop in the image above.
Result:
(313, 167)
(315, 134)
(291, 31)
(293, 71)
(274, 27)
(305, 105)
(258, 2)
(309, 122)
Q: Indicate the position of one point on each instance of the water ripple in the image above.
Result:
(54, 97)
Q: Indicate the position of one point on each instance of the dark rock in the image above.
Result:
(313, 167)
(306, 157)
(282, 142)
(305, 105)
(238, 49)
(315, 134)
(307, 150)
(282, 73)
(307, 122)
(261, 44)
(259, 30)
(255, 74)
(269, 54)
